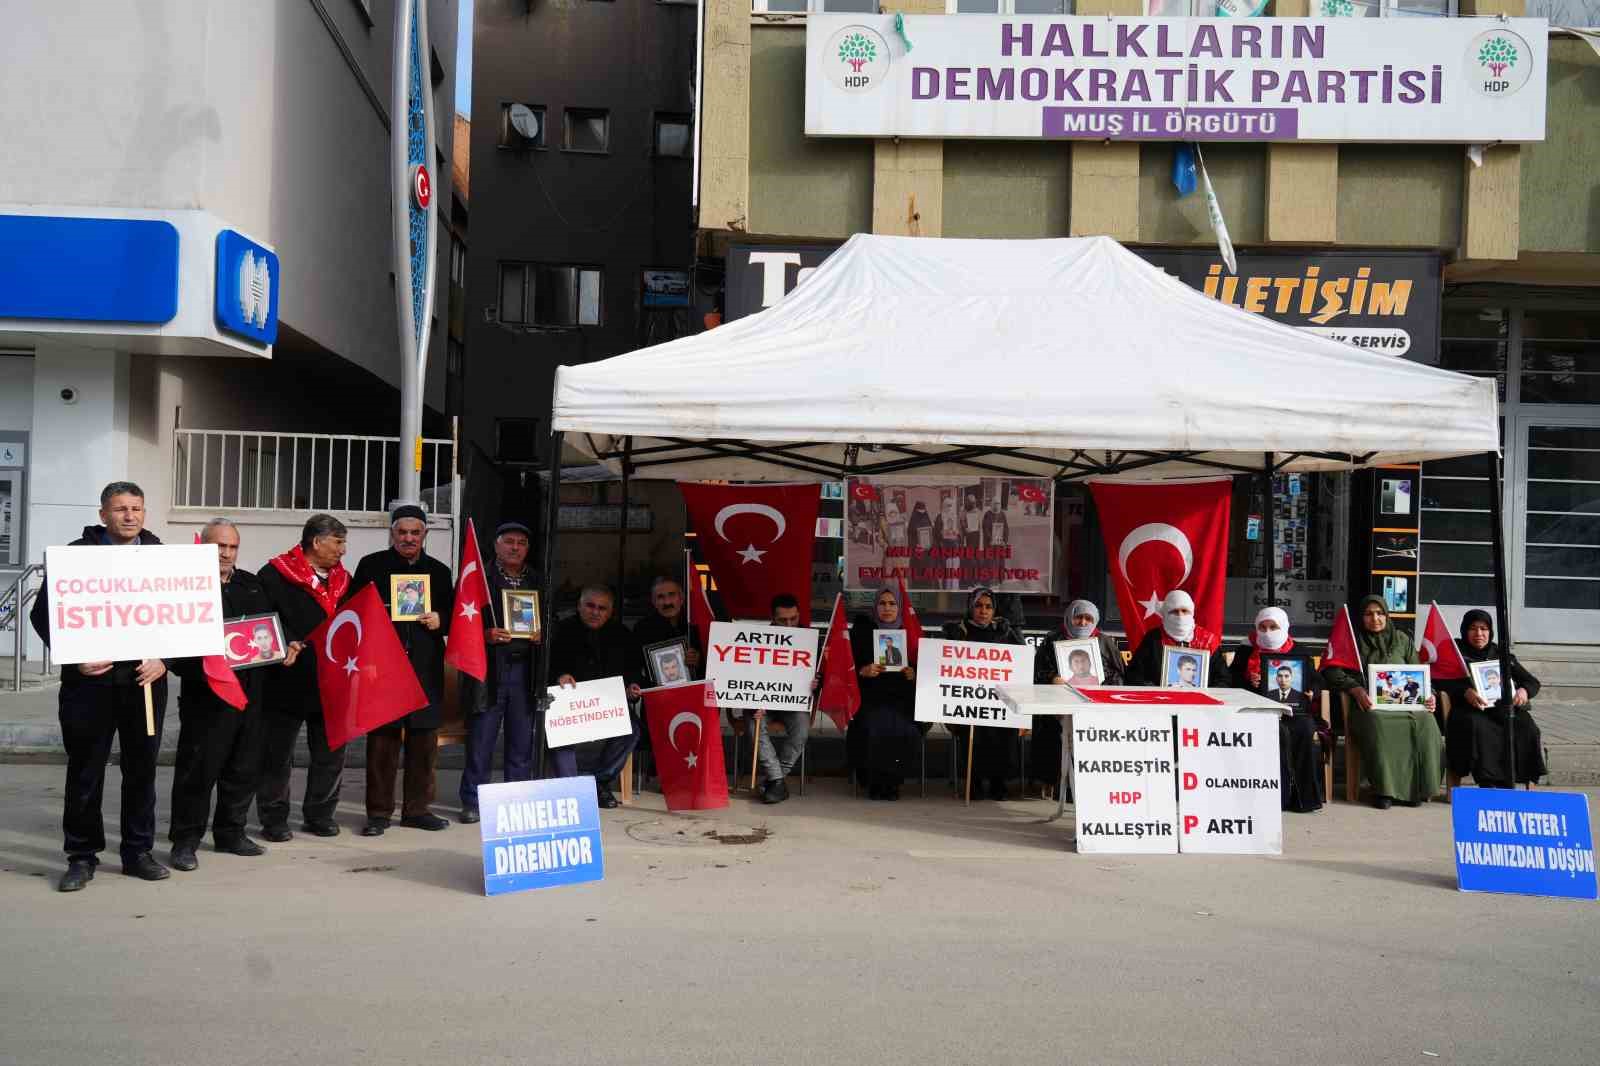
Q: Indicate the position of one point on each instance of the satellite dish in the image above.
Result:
(525, 120)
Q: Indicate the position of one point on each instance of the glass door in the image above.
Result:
(1556, 530)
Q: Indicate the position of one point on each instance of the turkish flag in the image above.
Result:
(1438, 649)
(686, 738)
(757, 540)
(464, 648)
(1128, 697)
(222, 682)
(1162, 536)
(1342, 644)
(909, 621)
(363, 674)
(860, 490)
(840, 696)
(700, 613)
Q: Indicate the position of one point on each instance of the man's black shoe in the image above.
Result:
(320, 829)
(1383, 803)
(775, 792)
(79, 873)
(375, 827)
(431, 822)
(240, 846)
(278, 834)
(605, 798)
(145, 867)
(183, 857)
(469, 816)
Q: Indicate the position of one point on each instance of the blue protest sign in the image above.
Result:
(538, 834)
(1530, 843)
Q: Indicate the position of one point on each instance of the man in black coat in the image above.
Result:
(587, 646)
(423, 640)
(305, 586)
(219, 747)
(100, 700)
(666, 621)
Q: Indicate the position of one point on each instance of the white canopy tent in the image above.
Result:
(1066, 358)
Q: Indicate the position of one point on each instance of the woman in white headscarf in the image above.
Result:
(1177, 630)
(1080, 621)
(1300, 728)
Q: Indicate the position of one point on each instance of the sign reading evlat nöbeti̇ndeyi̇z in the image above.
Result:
(1122, 79)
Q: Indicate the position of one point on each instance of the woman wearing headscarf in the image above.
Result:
(1178, 630)
(991, 747)
(881, 740)
(1475, 732)
(919, 528)
(1080, 621)
(1298, 767)
(1399, 748)
(947, 538)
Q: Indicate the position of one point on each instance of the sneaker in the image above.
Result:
(431, 822)
(775, 792)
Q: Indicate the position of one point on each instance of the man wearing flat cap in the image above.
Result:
(505, 696)
(423, 640)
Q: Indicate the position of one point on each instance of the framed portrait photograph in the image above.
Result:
(1286, 679)
(669, 662)
(1486, 679)
(253, 640)
(1185, 668)
(889, 648)
(520, 610)
(1398, 685)
(1079, 661)
(409, 597)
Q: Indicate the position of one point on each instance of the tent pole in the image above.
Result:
(552, 507)
(1267, 535)
(1502, 621)
(622, 524)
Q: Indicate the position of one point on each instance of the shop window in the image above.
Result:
(1560, 357)
(533, 294)
(522, 126)
(1008, 7)
(672, 135)
(586, 130)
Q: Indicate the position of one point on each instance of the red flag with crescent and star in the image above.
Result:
(1438, 649)
(219, 675)
(464, 648)
(1342, 651)
(757, 540)
(686, 739)
(840, 696)
(1162, 536)
(363, 674)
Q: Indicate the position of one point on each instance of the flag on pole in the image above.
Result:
(909, 622)
(1219, 225)
(1342, 644)
(364, 677)
(686, 737)
(840, 697)
(700, 613)
(464, 648)
(1438, 649)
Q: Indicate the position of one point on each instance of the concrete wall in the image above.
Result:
(1022, 191)
(1561, 176)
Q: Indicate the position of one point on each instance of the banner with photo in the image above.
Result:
(950, 535)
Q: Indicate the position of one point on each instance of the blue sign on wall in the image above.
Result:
(538, 834)
(247, 288)
(1532, 843)
(88, 269)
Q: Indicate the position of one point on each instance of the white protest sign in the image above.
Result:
(137, 601)
(761, 667)
(1229, 795)
(589, 710)
(1122, 789)
(958, 682)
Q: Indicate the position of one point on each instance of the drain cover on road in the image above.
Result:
(692, 832)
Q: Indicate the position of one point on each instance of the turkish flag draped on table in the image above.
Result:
(686, 737)
(1438, 649)
(1162, 536)
(363, 674)
(464, 648)
(757, 540)
(840, 695)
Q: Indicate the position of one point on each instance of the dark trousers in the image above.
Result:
(90, 716)
(511, 706)
(321, 799)
(220, 748)
(383, 763)
(614, 753)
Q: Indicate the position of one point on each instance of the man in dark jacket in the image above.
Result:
(305, 586)
(220, 747)
(98, 701)
(666, 621)
(423, 640)
(587, 646)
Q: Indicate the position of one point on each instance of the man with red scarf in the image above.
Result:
(306, 585)
(1178, 630)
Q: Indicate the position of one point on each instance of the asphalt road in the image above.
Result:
(855, 932)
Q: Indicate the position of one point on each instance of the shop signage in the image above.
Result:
(246, 288)
(1387, 302)
(759, 275)
(1160, 79)
(88, 269)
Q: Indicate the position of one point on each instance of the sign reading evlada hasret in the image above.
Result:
(1190, 79)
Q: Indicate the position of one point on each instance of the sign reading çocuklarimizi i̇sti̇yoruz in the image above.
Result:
(1192, 79)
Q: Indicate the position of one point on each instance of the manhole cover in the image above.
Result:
(691, 832)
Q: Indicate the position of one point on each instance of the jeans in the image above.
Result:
(511, 706)
(218, 748)
(323, 778)
(90, 716)
(778, 758)
(613, 756)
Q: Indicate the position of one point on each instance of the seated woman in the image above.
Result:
(881, 741)
(1399, 747)
(1475, 732)
(991, 746)
(1298, 766)
(1178, 630)
(1081, 621)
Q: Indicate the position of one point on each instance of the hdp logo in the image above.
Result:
(1499, 62)
(856, 58)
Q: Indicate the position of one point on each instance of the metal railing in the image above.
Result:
(246, 470)
(13, 615)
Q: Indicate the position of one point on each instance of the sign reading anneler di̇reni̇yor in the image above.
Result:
(1100, 78)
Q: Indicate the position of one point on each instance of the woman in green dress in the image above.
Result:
(1400, 747)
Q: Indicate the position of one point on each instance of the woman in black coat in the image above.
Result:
(991, 747)
(1299, 769)
(1475, 733)
(882, 738)
(1081, 621)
